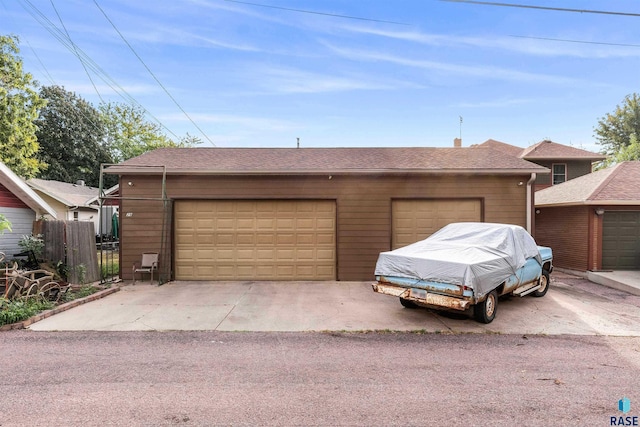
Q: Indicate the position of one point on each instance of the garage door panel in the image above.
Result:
(246, 239)
(265, 223)
(285, 239)
(325, 224)
(255, 240)
(305, 239)
(245, 224)
(285, 254)
(225, 224)
(285, 224)
(265, 239)
(265, 255)
(305, 224)
(417, 219)
(325, 239)
(326, 255)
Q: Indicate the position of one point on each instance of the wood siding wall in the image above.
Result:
(10, 200)
(567, 231)
(363, 206)
(575, 168)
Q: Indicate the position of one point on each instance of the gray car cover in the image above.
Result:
(474, 254)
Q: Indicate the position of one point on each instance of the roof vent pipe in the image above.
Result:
(80, 182)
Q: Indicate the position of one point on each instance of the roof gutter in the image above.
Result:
(146, 171)
(530, 203)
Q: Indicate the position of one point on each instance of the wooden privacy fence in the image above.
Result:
(74, 244)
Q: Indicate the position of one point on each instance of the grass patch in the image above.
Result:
(109, 264)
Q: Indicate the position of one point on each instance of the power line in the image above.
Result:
(83, 57)
(152, 74)
(75, 48)
(576, 41)
(316, 13)
(557, 9)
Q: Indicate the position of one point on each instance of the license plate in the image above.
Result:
(418, 293)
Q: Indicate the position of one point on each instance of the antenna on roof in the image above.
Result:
(298, 143)
(460, 127)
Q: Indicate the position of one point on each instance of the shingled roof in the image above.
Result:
(543, 150)
(500, 146)
(617, 185)
(325, 160)
(68, 194)
(552, 150)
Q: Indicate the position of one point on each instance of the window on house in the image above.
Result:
(75, 216)
(559, 173)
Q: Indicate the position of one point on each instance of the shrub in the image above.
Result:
(12, 311)
(32, 243)
(84, 291)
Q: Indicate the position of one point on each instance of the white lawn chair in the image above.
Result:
(149, 264)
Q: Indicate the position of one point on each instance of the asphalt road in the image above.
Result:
(310, 378)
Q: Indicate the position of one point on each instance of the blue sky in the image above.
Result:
(255, 76)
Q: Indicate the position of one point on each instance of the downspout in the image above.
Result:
(530, 206)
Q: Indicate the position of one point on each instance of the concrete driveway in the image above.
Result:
(573, 305)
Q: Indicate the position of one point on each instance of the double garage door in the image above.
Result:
(621, 240)
(255, 240)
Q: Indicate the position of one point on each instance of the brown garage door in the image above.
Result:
(255, 240)
(414, 220)
(621, 240)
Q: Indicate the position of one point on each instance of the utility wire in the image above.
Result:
(316, 13)
(557, 9)
(576, 41)
(75, 49)
(93, 66)
(152, 74)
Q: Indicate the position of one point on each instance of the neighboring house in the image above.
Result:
(593, 222)
(565, 162)
(22, 206)
(70, 201)
(110, 207)
(306, 213)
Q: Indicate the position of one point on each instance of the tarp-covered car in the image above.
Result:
(464, 265)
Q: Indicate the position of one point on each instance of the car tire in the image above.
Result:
(408, 303)
(486, 310)
(544, 281)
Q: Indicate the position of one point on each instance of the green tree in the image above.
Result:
(19, 105)
(71, 135)
(130, 134)
(630, 152)
(616, 130)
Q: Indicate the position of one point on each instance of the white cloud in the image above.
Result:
(449, 68)
(283, 80)
(559, 45)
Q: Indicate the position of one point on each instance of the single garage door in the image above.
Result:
(621, 240)
(414, 220)
(255, 240)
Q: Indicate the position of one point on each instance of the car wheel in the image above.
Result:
(544, 285)
(485, 311)
(406, 303)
